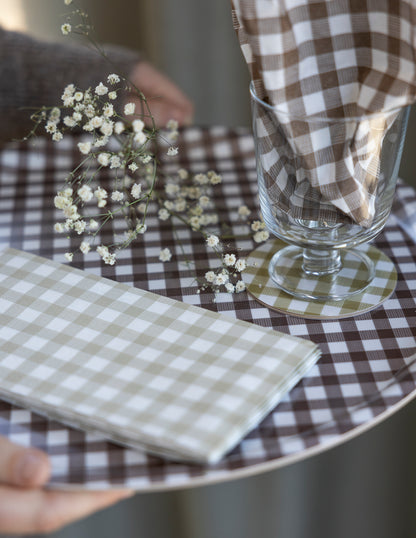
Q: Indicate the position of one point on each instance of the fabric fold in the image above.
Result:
(335, 74)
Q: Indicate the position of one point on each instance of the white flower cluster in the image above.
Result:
(228, 275)
(87, 206)
(257, 227)
(188, 198)
(260, 232)
(131, 167)
(172, 131)
(165, 255)
(94, 112)
(108, 258)
(66, 28)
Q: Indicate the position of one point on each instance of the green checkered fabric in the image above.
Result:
(144, 370)
(260, 285)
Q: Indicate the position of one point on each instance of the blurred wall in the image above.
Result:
(408, 165)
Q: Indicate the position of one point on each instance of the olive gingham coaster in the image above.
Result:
(140, 368)
(261, 286)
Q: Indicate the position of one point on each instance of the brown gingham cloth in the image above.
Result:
(368, 365)
(328, 59)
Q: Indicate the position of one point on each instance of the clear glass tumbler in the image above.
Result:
(326, 186)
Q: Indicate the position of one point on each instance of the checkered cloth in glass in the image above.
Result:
(328, 59)
(142, 369)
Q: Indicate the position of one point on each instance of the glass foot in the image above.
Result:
(290, 270)
(261, 287)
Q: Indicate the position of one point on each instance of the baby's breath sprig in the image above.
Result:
(116, 141)
(189, 199)
(120, 144)
(227, 277)
(119, 141)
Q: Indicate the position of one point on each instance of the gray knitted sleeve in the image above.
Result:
(34, 73)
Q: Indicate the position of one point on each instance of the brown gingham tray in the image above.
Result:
(368, 365)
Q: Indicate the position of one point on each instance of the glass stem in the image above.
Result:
(321, 262)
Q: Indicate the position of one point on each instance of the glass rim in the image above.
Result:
(321, 119)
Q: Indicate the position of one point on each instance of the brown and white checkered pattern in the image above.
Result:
(368, 364)
(323, 59)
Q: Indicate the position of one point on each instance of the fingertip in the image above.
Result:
(32, 468)
(188, 121)
(184, 118)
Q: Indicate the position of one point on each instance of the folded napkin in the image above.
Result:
(139, 368)
(328, 59)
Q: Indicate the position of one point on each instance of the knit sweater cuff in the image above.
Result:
(34, 73)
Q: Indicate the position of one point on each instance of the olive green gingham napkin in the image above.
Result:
(327, 59)
(140, 368)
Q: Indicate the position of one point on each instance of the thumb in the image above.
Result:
(20, 466)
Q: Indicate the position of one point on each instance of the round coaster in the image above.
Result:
(261, 287)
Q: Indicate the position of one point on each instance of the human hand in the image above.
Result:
(166, 101)
(26, 508)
